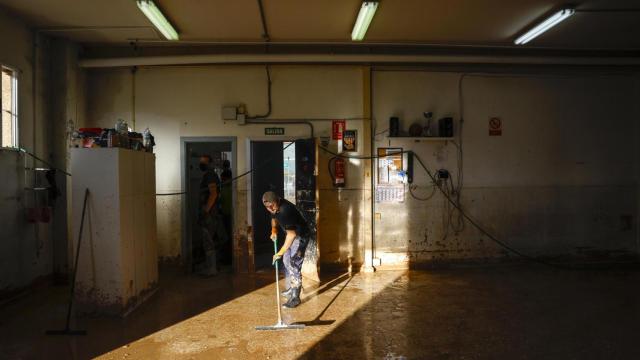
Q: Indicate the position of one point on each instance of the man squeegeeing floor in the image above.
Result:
(285, 214)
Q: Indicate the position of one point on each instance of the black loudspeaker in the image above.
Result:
(445, 127)
(410, 167)
(394, 126)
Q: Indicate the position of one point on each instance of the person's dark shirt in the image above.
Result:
(226, 173)
(289, 218)
(208, 177)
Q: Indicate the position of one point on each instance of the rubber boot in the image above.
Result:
(294, 300)
(210, 268)
(287, 285)
(287, 293)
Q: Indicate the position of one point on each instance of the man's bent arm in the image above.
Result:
(213, 195)
(291, 235)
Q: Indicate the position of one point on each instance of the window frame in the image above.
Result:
(14, 113)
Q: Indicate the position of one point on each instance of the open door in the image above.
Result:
(277, 177)
(219, 149)
(307, 202)
(269, 177)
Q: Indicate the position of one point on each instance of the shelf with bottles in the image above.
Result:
(422, 138)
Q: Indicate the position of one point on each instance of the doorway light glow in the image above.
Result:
(541, 28)
(367, 10)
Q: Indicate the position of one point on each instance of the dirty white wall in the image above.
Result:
(561, 180)
(49, 95)
(25, 254)
(186, 101)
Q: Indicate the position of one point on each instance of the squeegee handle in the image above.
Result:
(275, 251)
(274, 232)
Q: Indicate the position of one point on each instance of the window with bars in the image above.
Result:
(9, 103)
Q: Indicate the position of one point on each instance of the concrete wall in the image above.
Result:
(561, 180)
(49, 95)
(177, 102)
(66, 108)
(25, 249)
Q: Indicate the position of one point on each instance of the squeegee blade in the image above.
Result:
(281, 327)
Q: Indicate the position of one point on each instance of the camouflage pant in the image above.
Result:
(292, 260)
(214, 234)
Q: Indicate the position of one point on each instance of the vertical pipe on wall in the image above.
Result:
(637, 167)
(372, 166)
(369, 244)
(133, 97)
(34, 94)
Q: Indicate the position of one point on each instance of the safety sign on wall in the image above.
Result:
(338, 127)
(495, 127)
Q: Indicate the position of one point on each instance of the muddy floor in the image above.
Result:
(500, 312)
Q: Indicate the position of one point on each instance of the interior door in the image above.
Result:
(268, 175)
(307, 200)
(192, 252)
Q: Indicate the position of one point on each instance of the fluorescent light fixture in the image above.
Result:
(552, 21)
(161, 23)
(367, 10)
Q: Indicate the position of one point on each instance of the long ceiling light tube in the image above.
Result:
(151, 11)
(367, 10)
(539, 29)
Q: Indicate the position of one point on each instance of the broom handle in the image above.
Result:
(275, 251)
(75, 266)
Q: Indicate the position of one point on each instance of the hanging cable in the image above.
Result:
(482, 230)
(260, 166)
(462, 212)
(412, 188)
(51, 166)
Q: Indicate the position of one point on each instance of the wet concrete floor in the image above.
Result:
(501, 312)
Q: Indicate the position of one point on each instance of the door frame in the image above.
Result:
(185, 244)
(248, 162)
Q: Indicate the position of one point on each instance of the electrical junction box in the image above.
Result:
(229, 113)
(242, 119)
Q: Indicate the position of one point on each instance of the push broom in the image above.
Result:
(280, 325)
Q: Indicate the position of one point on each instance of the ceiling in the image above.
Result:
(438, 22)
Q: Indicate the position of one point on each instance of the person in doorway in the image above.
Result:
(226, 206)
(210, 221)
(287, 216)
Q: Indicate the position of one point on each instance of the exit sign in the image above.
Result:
(274, 131)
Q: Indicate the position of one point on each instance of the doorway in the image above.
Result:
(221, 150)
(287, 168)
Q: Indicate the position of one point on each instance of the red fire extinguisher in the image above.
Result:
(337, 171)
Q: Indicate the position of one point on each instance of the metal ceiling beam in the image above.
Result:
(373, 54)
(354, 59)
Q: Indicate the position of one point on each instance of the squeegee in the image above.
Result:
(280, 325)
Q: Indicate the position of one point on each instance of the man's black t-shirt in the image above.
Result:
(290, 218)
(209, 177)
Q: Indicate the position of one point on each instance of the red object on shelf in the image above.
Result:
(91, 130)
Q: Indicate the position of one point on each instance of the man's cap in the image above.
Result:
(270, 197)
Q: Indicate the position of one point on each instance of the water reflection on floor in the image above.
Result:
(509, 312)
